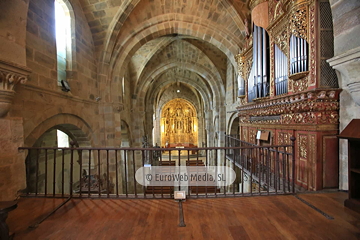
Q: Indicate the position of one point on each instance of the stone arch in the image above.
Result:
(125, 10)
(233, 125)
(73, 125)
(217, 90)
(38, 175)
(122, 57)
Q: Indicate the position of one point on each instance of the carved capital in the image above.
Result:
(11, 74)
(348, 64)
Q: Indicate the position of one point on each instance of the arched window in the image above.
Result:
(63, 39)
(62, 139)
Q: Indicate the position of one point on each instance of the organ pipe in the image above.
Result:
(265, 57)
(281, 68)
(241, 85)
(298, 55)
(260, 60)
(259, 70)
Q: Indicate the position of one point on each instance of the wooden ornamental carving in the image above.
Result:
(311, 107)
(305, 110)
(179, 124)
(313, 46)
(298, 23)
(244, 63)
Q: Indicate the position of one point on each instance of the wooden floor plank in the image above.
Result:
(266, 217)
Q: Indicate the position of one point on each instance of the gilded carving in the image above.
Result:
(312, 161)
(303, 146)
(252, 136)
(245, 134)
(298, 23)
(315, 106)
(272, 69)
(178, 123)
(240, 65)
(300, 85)
(312, 45)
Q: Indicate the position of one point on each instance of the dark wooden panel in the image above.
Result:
(330, 162)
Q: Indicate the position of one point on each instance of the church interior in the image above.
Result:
(93, 90)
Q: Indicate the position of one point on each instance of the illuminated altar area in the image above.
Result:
(179, 124)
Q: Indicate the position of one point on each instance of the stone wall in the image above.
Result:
(346, 60)
(12, 165)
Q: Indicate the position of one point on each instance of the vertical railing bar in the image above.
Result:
(172, 188)
(99, 174)
(224, 173)
(179, 163)
(287, 168)
(126, 173)
(268, 169)
(81, 169)
(234, 168)
(258, 154)
(284, 170)
(54, 175)
(62, 172)
(161, 188)
(251, 169)
(293, 162)
(37, 172)
(143, 173)
(71, 169)
(206, 168)
(117, 174)
(276, 169)
(89, 173)
(242, 172)
(153, 153)
(107, 174)
(134, 171)
(216, 163)
(46, 170)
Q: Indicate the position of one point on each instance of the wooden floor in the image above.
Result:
(272, 217)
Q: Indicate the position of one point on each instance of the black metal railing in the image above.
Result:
(110, 172)
(272, 168)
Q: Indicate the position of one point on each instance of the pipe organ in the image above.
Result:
(284, 91)
(298, 55)
(281, 71)
(260, 86)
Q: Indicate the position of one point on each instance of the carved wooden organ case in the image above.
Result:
(299, 92)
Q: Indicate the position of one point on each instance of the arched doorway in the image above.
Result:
(179, 124)
(234, 129)
(49, 170)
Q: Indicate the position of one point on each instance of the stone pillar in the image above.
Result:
(348, 65)
(12, 161)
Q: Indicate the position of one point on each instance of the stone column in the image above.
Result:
(12, 161)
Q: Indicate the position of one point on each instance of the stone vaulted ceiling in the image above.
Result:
(196, 39)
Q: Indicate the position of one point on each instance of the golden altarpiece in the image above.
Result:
(288, 89)
(179, 124)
